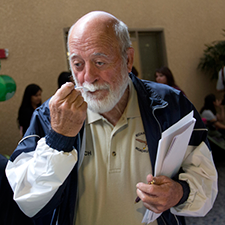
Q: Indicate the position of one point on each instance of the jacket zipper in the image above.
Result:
(176, 219)
(153, 112)
(163, 220)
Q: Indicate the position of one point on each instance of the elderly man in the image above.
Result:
(87, 164)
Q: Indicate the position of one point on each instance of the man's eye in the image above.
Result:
(100, 63)
(77, 64)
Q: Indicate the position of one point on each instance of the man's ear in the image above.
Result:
(130, 58)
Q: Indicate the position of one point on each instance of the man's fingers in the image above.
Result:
(150, 199)
(79, 103)
(152, 181)
(64, 91)
(73, 96)
(146, 188)
(150, 178)
(153, 187)
(66, 94)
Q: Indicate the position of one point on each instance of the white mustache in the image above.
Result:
(80, 87)
(92, 88)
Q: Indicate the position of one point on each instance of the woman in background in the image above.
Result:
(31, 100)
(213, 117)
(164, 75)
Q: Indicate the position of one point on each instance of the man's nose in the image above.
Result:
(91, 73)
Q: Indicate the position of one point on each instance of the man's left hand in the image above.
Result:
(160, 196)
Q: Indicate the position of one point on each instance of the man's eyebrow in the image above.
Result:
(72, 55)
(94, 54)
(100, 54)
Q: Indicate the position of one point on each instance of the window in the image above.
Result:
(150, 52)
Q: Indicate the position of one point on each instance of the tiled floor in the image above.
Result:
(216, 216)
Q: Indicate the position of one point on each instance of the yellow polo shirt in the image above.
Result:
(116, 159)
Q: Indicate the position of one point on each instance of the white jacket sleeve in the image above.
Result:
(36, 176)
(201, 175)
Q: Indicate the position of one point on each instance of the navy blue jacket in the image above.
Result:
(160, 105)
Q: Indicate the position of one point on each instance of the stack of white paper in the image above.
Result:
(170, 154)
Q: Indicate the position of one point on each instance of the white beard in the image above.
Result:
(99, 104)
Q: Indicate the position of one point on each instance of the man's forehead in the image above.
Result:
(95, 31)
(97, 42)
(96, 22)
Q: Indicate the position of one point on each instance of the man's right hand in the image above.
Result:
(67, 110)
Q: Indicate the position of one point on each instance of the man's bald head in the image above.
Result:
(101, 22)
(96, 18)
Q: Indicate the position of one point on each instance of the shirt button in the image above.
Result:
(113, 153)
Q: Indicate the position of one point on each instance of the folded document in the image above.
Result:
(171, 151)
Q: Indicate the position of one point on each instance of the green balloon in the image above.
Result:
(7, 87)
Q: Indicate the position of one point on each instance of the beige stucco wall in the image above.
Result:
(33, 33)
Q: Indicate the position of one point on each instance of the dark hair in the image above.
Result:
(208, 103)
(167, 72)
(63, 78)
(30, 90)
(26, 110)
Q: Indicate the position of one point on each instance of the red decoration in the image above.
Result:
(4, 53)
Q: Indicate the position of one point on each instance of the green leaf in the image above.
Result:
(213, 58)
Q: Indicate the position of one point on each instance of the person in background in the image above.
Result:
(64, 77)
(31, 100)
(89, 153)
(164, 75)
(213, 112)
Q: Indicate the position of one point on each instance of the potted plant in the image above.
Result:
(213, 58)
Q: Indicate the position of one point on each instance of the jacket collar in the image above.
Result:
(154, 99)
